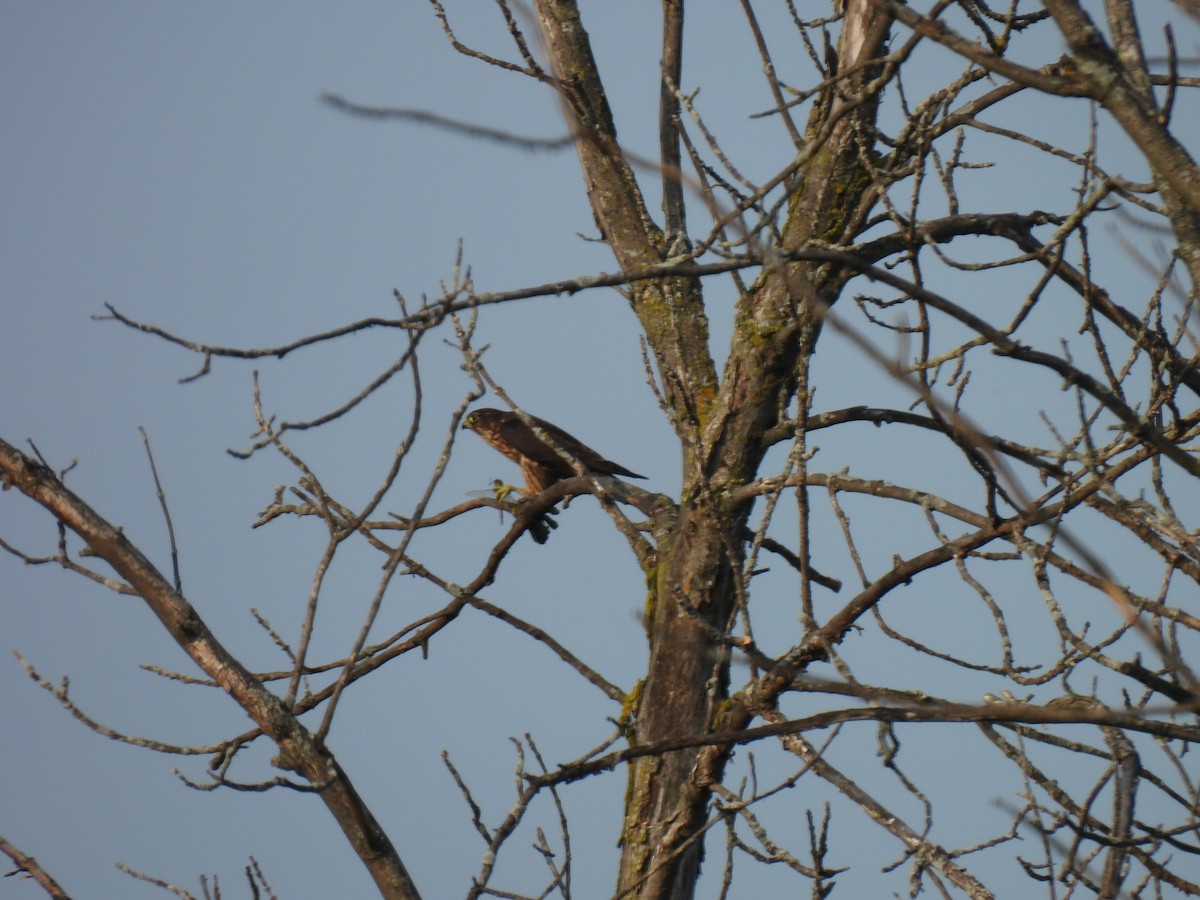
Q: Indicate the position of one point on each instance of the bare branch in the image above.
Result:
(27, 867)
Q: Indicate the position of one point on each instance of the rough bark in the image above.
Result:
(694, 578)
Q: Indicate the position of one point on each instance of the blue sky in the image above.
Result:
(175, 161)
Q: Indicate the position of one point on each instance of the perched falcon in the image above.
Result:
(540, 463)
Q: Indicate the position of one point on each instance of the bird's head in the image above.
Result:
(481, 420)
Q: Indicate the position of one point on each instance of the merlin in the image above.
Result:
(541, 464)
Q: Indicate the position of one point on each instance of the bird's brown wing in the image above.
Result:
(525, 443)
(530, 445)
(541, 462)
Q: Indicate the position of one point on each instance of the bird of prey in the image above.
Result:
(541, 464)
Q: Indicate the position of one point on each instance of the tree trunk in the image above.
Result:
(695, 585)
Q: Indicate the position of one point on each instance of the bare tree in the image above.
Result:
(1023, 440)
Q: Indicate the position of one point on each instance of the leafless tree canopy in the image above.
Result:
(937, 511)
